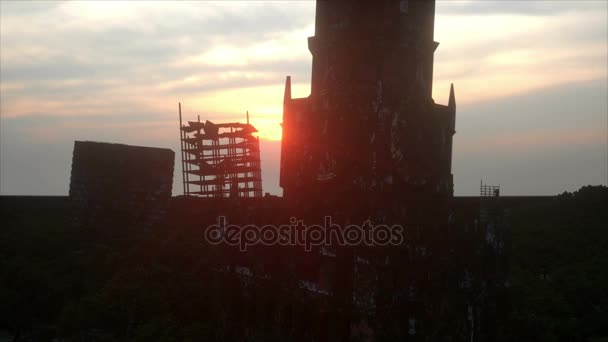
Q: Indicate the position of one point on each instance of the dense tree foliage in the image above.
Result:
(559, 269)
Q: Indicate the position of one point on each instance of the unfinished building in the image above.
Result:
(220, 160)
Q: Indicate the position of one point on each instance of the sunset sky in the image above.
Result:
(531, 83)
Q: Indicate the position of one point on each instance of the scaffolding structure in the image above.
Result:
(220, 160)
(489, 207)
(488, 191)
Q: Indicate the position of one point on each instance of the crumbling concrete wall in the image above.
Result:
(115, 184)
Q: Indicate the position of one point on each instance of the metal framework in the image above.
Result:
(220, 160)
(489, 196)
(486, 191)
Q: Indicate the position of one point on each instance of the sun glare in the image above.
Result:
(268, 129)
(264, 104)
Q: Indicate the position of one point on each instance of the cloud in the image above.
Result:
(75, 56)
(539, 143)
(115, 71)
(528, 8)
(24, 9)
(516, 53)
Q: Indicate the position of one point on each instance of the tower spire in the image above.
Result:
(452, 100)
(287, 96)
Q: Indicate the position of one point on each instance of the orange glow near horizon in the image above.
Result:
(264, 104)
(271, 132)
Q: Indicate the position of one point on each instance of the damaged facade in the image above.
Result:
(370, 143)
(113, 183)
(370, 123)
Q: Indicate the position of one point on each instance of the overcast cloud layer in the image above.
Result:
(531, 83)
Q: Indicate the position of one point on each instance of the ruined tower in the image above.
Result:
(370, 124)
(370, 143)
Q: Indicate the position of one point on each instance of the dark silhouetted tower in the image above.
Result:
(370, 124)
(369, 143)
